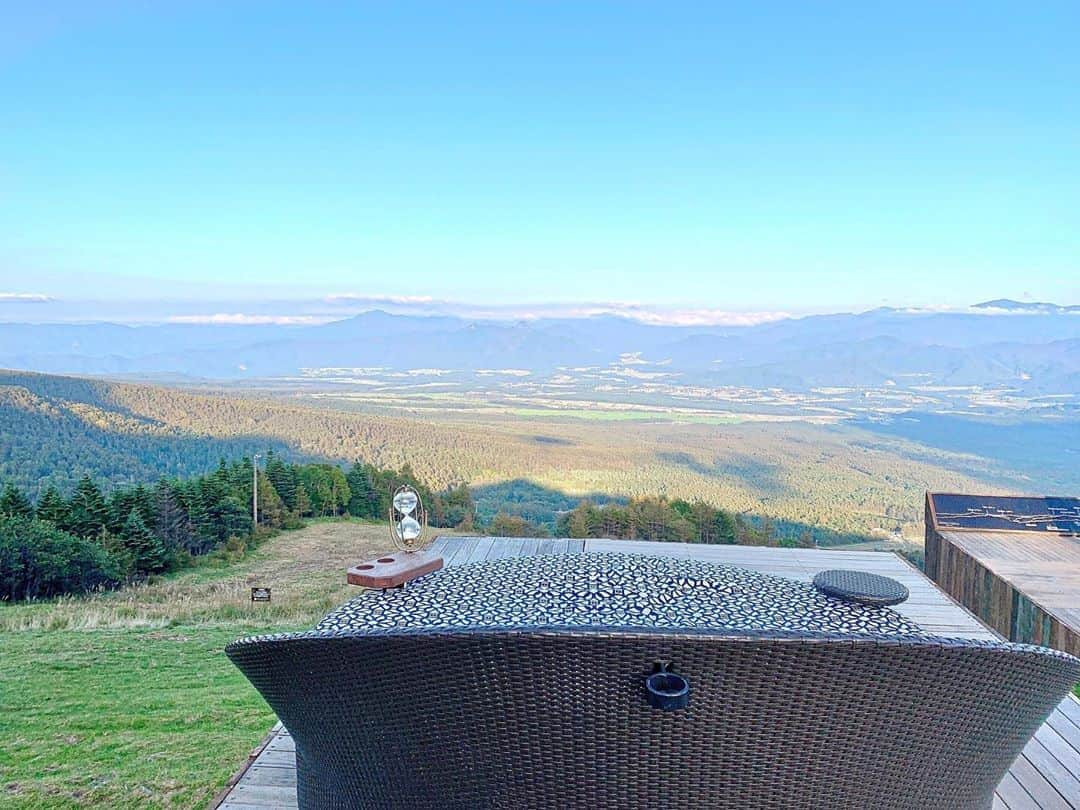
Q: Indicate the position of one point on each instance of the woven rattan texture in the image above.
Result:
(861, 587)
(511, 719)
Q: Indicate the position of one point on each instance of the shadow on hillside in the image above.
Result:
(543, 505)
(70, 390)
(764, 478)
(1046, 450)
(54, 446)
(529, 500)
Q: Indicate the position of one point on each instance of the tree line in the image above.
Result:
(676, 520)
(89, 539)
(92, 539)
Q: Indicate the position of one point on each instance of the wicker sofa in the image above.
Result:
(511, 718)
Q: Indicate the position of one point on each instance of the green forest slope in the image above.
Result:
(55, 429)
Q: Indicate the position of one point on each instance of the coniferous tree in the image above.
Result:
(121, 502)
(171, 521)
(726, 530)
(283, 477)
(223, 514)
(145, 503)
(189, 494)
(363, 494)
(239, 479)
(146, 548)
(88, 512)
(52, 507)
(14, 503)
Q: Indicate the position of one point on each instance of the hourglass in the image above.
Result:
(408, 531)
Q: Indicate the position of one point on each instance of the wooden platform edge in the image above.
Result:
(948, 596)
(256, 752)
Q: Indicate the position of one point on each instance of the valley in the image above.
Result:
(834, 424)
(844, 481)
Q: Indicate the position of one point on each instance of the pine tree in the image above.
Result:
(283, 477)
(145, 502)
(52, 507)
(726, 530)
(223, 514)
(146, 548)
(363, 496)
(121, 502)
(240, 479)
(202, 534)
(14, 503)
(88, 513)
(171, 521)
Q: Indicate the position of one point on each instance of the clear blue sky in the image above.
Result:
(793, 156)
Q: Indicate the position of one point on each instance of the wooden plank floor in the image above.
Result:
(1045, 775)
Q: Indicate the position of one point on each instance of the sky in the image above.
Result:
(272, 160)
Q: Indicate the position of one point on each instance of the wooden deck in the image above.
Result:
(1025, 585)
(1007, 561)
(1046, 775)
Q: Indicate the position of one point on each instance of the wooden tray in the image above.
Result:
(393, 570)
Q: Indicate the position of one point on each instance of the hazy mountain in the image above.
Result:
(1033, 347)
(1025, 306)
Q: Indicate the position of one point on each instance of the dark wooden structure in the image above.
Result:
(1013, 562)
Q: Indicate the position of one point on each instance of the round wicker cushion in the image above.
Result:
(608, 590)
(861, 588)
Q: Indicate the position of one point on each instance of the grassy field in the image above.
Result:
(127, 699)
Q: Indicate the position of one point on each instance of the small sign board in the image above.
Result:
(260, 594)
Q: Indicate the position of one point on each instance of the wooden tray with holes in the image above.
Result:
(394, 570)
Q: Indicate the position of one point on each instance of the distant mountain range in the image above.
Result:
(1031, 346)
(1025, 306)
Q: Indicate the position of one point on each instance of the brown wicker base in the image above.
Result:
(560, 719)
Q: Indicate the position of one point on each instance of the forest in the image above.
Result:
(845, 483)
(94, 539)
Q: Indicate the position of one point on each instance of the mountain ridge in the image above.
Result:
(799, 351)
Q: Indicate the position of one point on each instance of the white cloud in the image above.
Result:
(1033, 309)
(359, 298)
(244, 319)
(656, 316)
(660, 316)
(24, 298)
(697, 316)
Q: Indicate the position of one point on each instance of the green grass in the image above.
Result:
(126, 699)
(123, 718)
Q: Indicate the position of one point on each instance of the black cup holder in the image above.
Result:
(667, 691)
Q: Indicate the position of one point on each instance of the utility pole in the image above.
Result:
(255, 491)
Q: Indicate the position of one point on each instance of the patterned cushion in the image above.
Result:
(609, 590)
